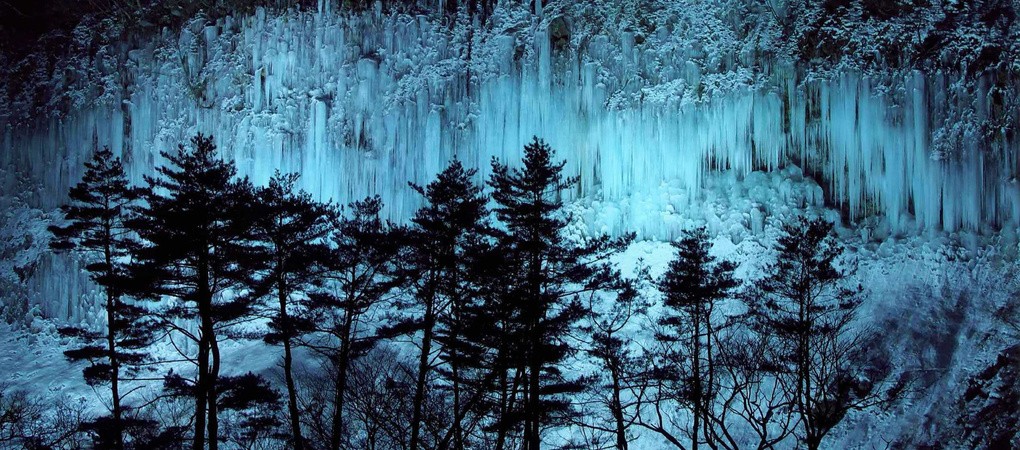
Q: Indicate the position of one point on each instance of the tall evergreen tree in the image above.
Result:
(292, 232)
(95, 229)
(692, 287)
(490, 337)
(553, 272)
(809, 307)
(359, 278)
(197, 229)
(435, 267)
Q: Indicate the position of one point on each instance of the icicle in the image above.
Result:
(364, 103)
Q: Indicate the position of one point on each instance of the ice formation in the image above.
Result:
(362, 104)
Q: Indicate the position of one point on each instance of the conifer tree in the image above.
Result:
(95, 230)
(553, 271)
(809, 307)
(291, 230)
(359, 277)
(435, 268)
(692, 287)
(197, 229)
(490, 335)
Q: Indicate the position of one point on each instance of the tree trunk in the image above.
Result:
(205, 335)
(813, 441)
(709, 396)
(214, 373)
(454, 358)
(804, 372)
(696, 344)
(288, 362)
(458, 438)
(535, 439)
(501, 427)
(200, 395)
(532, 421)
(621, 429)
(423, 368)
(533, 412)
(118, 437)
(343, 362)
(295, 418)
(111, 343)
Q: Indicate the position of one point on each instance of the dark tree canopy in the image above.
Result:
(291, 232)
(197, 226)
(552, 272)
(809, 307)
(436, 270)
(96, 231)
(455, 331)
(694, 285)
(360, 277)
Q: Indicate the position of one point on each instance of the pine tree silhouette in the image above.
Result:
(692, 287)
(490, 336)
(435, 268)
(359, 278)
(197, 229)
(95, 230)
(809, 307)
(553, 272)
(292, 232)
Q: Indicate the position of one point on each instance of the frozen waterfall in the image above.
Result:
(361, 105)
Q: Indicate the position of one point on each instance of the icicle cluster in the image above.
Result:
(361, 105)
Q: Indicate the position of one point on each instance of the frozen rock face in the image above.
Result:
(361, 104)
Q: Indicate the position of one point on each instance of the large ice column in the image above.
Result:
(362, 104)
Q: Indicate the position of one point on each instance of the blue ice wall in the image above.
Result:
(363, 104)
